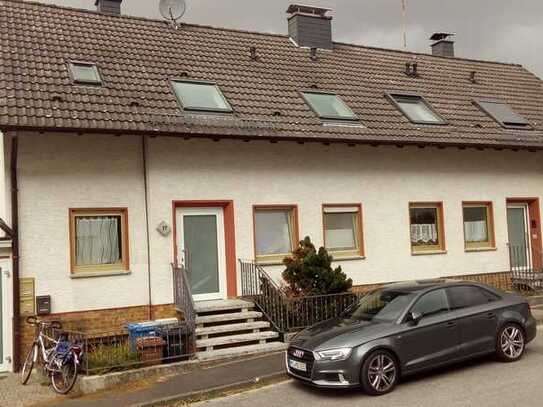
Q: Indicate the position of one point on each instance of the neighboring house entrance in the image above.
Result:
(201, 248)
(518, 223)
(5, 315)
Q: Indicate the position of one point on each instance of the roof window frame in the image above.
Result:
(228, 111)
(390, 95)
(72, 63)
(329, 119)
(510, 126)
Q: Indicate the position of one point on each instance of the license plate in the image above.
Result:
(297, 365)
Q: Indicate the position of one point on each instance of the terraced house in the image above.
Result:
(130, 144)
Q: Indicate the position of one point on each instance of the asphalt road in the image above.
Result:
(480, 383)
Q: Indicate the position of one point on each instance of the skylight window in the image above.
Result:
(201, 96)
(85, 73)
(416, 109)
(503, 114)
(329, 106)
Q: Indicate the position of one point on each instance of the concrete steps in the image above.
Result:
(244, 326)
(246, 350)
(261, 337)
(234, 316)
(231, 328)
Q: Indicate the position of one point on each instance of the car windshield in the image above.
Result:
(383, 304)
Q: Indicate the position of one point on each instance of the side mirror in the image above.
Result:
(414, 317)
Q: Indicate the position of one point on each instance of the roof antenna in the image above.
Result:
(404, 18)
(172, 10)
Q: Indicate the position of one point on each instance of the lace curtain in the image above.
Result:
(97, 241)
(476, 231)
(424, 233)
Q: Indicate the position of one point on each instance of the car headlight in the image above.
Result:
(333, 354)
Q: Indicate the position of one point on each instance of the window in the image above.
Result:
(426, 227)
(85, 73)
(99, 240)
(343, 229)
(201, 96)
(478, 225)
(276, 232)
(329, 106)
(432, 303)
(469, 296)
(382, 304)
(503, 114)
(416, 109)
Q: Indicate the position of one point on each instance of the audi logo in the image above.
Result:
(299, 353)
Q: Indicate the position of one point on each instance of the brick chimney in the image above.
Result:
(310, 27)
(109, 6)
(442, 46)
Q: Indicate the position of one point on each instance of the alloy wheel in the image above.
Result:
(512, 342)
(382, 372)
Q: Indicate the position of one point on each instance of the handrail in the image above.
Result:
(183, 299)
(288, 314)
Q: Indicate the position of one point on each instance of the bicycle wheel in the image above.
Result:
(64, 380)
(29, 363)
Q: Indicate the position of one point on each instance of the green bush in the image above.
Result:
(310, 272)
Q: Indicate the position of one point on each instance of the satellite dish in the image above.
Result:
(172, 10)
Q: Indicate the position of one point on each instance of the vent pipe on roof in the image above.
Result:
(443, 46)
(109, 6)
(310, 27)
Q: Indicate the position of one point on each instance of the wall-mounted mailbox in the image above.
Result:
(26, 296)
(43, 305)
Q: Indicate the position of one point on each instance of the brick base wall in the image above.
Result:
(500, 280)
(96, 321)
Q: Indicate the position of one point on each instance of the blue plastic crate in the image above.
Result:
(141, 330)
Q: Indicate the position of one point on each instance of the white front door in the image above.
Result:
(518, 225)
(5, 315)
(201, 249)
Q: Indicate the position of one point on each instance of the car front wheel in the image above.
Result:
(510, 343)
(379, 373)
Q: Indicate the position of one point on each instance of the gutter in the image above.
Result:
(15, 253)
(147, 232)
(494, 143)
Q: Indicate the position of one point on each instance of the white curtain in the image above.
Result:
(273, 230)
(97, 241)
(424, 233)
(476, 231)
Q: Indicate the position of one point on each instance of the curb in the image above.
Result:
(217, 391)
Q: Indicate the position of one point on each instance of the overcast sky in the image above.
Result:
(503, 30)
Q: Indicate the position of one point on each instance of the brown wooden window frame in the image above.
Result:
(98, 269)
(295, 237)
(359, 251)
(430, 249)
(489, 244)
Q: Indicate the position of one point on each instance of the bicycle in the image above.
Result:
(59, 358)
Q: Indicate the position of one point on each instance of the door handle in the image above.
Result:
(451, 324)
(490, 315)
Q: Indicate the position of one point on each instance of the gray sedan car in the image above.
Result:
(406, 328)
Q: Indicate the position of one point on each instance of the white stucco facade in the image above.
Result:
(58, 172)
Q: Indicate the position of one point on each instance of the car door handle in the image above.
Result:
(451, 324)
(490, 315)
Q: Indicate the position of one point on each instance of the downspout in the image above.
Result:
(15, 253)
(146, 197)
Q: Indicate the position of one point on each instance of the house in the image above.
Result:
(130, 144)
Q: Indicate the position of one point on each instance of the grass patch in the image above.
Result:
(104, 359)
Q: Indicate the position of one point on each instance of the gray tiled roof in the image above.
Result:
(137, 57)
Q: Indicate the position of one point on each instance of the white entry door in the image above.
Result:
(518, 224)
(201, 248)
(5, 315)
